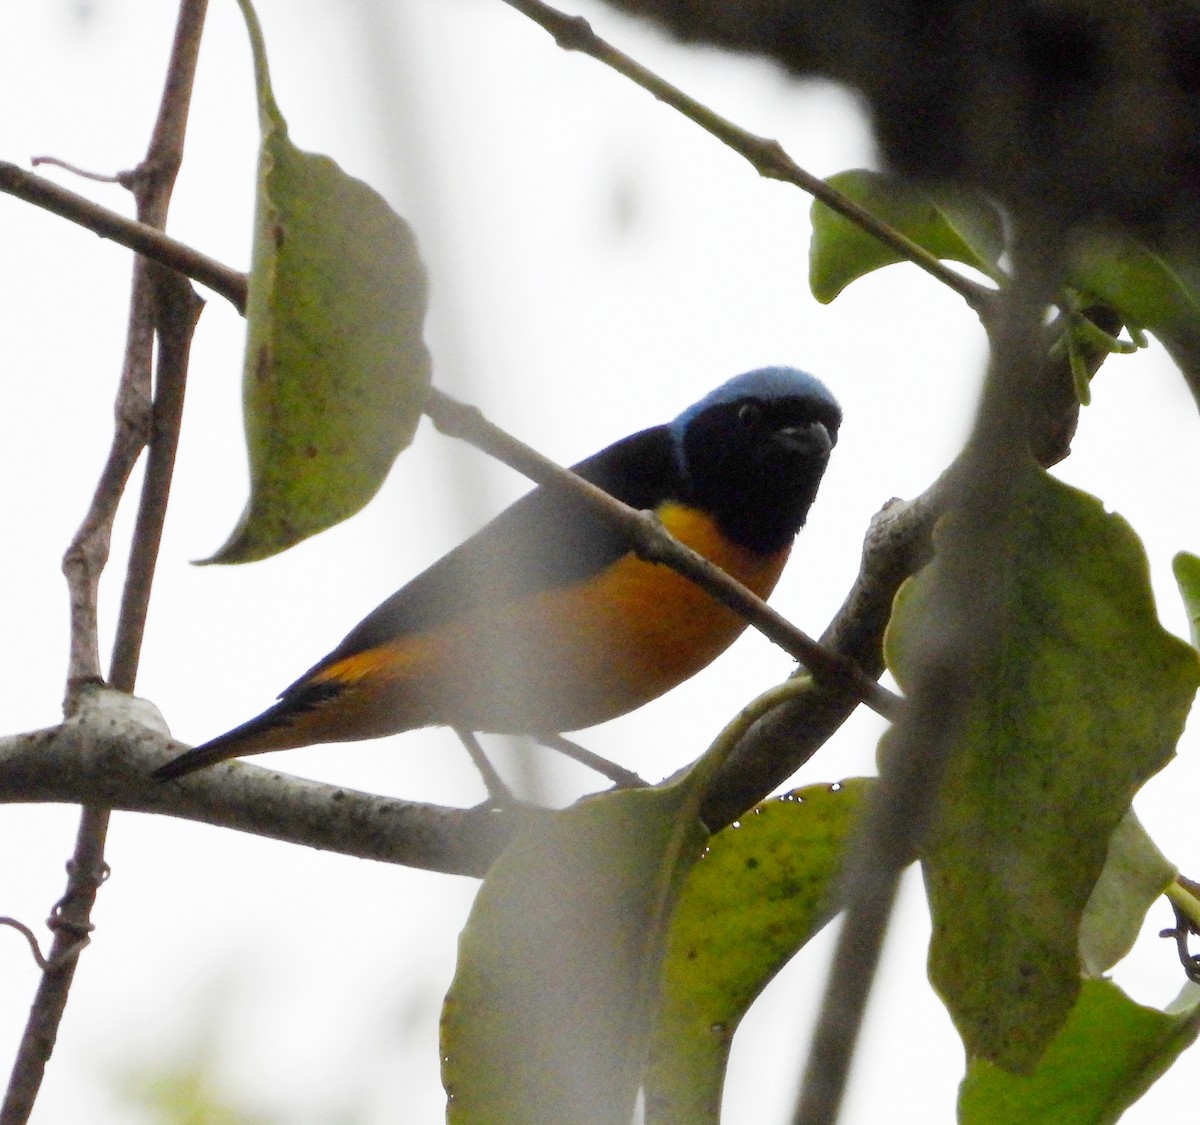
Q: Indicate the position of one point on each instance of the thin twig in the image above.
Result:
(42, 963)
(87, 555)
(177, 308)
(70, 921)
(30, 937)
(121, 178)
(152, 183)
(137, 236)
(767, 157)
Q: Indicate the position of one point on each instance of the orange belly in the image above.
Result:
(561, 660)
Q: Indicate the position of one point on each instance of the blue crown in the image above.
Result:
(766, 383)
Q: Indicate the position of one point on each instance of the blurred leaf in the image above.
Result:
(185, 1089)
(186, 1096)
(1135, 874)
(1150, 290)
(950, 221)
(336, 368)
(1108, 1054)
(1187, 575)
(1082, 699)
(759, 893)
(549, 1016)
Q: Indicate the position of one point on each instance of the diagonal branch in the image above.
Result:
(767, 157)
(175, 308)
(136, 236)
(651, 541)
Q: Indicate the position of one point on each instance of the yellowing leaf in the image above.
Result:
(758, 894)
(1082, 699)
(336, 370)
(1108, 1054)
(1135, 874)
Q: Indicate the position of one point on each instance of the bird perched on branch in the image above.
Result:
(545, 621)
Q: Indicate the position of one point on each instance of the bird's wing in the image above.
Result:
(545, 540)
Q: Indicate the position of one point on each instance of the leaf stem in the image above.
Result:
(719, 752)
(1185, 902)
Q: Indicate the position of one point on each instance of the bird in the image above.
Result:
(545, 621)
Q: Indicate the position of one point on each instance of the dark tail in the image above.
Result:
(278, 728)
(219, 750)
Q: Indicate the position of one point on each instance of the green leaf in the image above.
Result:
(950, 221)
(760, 892)
(1081, 700)
(1108, 1054)
(549, 1016)
(1150, 290)
(1135, 874)
(336, 368)
(1187, 575)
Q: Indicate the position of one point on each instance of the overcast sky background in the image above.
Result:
(597, 263)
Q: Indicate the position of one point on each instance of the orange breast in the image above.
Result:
(563, 659)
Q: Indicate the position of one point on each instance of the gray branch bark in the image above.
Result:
(105, 753)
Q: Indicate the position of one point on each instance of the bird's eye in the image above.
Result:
(749, 413)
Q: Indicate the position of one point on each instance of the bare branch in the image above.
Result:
(104, 756)
(136, 236)
(897, 544)
(152, 183)
(767, 157)
(176, 310)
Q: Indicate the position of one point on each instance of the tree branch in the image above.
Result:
(152, 182)
(130, 233)
(176, 308)
(767, 157)
(105, 753)
(651, 541)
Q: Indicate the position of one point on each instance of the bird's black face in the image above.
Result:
(756, 463)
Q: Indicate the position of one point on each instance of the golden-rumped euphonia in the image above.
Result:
(544, 621)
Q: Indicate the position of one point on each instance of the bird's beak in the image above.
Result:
(811, 440)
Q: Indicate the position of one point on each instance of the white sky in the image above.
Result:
(597, 263)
